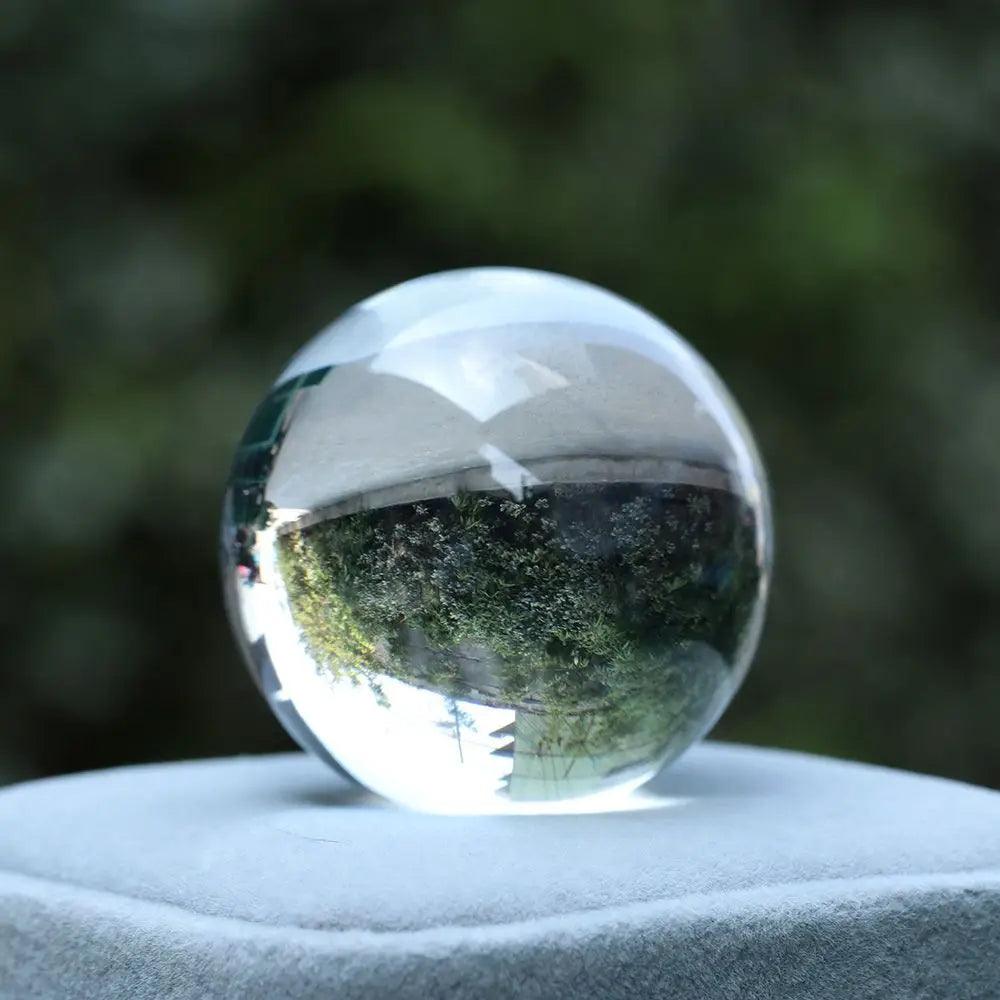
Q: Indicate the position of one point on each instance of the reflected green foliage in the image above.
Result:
(188, 191)
(580, 597)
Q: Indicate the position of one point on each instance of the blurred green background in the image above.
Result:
(809, 192)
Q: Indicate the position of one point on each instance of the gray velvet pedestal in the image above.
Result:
(756, 874)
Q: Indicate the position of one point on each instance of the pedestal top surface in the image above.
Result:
(284, 841)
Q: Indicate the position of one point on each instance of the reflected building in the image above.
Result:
(259, 447)
(542, 770)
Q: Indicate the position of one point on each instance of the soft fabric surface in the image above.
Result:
(756, 874)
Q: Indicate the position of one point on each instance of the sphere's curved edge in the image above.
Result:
(362, 333)
(498, 535)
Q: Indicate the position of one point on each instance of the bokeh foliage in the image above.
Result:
(807, 191)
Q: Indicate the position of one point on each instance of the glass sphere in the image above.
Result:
(497, 540)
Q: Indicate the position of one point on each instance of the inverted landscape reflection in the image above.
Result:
(497, 541)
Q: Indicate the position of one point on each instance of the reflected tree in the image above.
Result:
(603, 605)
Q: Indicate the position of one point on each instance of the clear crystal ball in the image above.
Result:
(497, 540)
